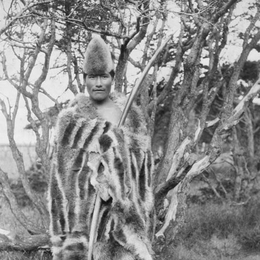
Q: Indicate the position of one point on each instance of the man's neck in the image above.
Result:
(108, 110)
(102, 103)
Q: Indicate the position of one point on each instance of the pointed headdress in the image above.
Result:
(98, 59)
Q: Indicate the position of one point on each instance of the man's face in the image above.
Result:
(99, 86)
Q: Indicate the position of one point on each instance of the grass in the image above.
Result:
(35, 255)
(205, 220)
(220, 231)
(183, 253)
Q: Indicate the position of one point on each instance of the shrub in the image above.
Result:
(250, 239)
(37, 181)
(249, 232)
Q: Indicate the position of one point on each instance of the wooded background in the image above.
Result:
(197, 100)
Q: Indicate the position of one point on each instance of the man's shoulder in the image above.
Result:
(80, 100)
(80, 106)
(118, 98)
(121, 99)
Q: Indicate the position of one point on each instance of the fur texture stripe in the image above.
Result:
(91, 155)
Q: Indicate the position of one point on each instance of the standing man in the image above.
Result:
(93, 155)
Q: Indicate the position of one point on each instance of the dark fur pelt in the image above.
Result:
(93, 155)
(98, 59)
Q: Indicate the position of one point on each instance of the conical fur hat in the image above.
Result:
(98, 59)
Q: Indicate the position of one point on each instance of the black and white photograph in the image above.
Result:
(129, 130)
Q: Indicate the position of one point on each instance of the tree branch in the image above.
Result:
(224, 9)
(27, 7)
(23, 220)
(20, 162)
(240, 108)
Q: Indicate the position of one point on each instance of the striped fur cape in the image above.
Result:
(92, 155)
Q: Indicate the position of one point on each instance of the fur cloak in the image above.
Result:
(92, 155)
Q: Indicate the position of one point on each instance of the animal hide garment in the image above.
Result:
(92, 155)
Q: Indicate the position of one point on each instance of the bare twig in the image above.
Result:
(140, 80)
(27, 7)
